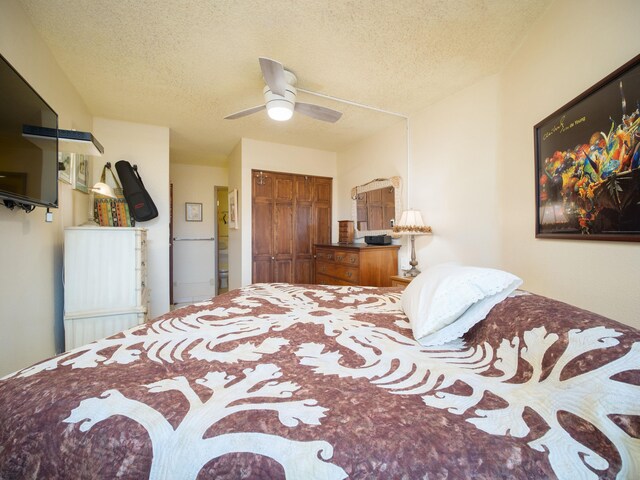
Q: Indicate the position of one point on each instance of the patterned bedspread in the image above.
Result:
(318, 382)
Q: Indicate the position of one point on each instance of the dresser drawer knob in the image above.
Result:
(353, 259)
(339, 258)
(349, 274)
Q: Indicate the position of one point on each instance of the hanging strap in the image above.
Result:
(103, 177)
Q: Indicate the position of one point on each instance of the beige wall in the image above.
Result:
(453, 177)
(275, 157)
(148, 147)
(195, 183)
(472, 172)
(31, 293)
(235, 238)
(192, 278)
(380, 156)
(573, 46)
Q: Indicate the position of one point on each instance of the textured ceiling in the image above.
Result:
(187, 64)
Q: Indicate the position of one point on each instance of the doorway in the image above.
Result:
(222, 234)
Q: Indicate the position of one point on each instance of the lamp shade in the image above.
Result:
(103, 189)
(411, 218)
(411, 223)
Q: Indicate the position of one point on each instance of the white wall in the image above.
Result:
(273, 157)
(573, 46)
(472, 171)
(193, 278)
(31, 295)
(381, 156)
(236, 260)
(148, 147)
(453, 177)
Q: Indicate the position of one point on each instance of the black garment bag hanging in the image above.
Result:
(138, 199)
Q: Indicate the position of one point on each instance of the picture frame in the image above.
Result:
(193, 212)
(587, 163)
(233, 209)
(80, 177)
(65, 167)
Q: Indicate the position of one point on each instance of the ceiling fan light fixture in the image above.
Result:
(280, 110)
(280, 97)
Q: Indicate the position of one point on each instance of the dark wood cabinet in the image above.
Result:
(290, 213)
(356, 264)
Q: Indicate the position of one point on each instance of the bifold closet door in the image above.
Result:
(290, 213)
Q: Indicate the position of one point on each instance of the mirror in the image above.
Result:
(376, 206)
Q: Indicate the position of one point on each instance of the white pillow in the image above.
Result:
(446, 300)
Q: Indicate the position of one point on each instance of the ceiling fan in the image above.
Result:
(280, 97)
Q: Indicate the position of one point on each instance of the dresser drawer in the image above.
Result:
(342, 272)
(356, 264)
(347, 258)
(325, 255)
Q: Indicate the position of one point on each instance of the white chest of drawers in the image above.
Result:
(105, 278)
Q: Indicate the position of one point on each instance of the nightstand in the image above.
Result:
(398, 281)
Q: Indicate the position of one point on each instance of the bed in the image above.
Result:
(328, 382)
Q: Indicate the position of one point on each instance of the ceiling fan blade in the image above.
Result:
(273, 73)
(319, 113)
(244, 113)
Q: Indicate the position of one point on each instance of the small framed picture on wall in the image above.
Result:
(65, 166)
(193, 212)
(233, 209)
(81, 172)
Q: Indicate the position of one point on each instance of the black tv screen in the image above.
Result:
(28, 165)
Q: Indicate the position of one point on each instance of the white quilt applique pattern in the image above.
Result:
(592, 395)
(180, 453)
(169, 340)
(198, 335)
(396, 363)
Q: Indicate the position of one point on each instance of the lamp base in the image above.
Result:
(412, 272)
(91, 219)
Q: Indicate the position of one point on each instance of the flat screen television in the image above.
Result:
(28, 165)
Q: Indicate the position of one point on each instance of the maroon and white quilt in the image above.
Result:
(320, 382)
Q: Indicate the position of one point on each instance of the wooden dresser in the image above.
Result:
(356, 264)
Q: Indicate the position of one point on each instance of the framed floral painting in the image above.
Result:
(587, 161)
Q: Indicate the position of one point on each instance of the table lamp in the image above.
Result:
(411, 224)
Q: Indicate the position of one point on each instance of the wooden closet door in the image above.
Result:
(304, 222)
(322, 210)
(262, 228)
(283, 231)
(290, 213)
